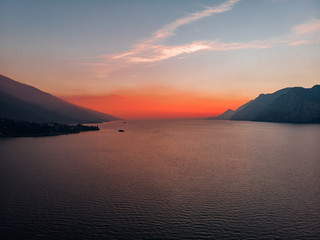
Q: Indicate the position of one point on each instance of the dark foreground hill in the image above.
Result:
(23, 102)
(290, 105)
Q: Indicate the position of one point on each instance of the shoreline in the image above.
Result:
(11, 128)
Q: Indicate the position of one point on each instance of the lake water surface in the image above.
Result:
(178, 179)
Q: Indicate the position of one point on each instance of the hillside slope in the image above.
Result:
(23, 102)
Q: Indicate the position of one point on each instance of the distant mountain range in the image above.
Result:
(289, 105)
(23, 102)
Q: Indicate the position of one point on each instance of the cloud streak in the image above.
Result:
(150, 50)
(169, 29)
(153, 50)
(306, 33)
(309, 27)
(163, 52)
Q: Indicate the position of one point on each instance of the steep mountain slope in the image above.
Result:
(298, 105)
(291, 105)
(224, 116)
(229, 113)
(252, 111)
(23, 102)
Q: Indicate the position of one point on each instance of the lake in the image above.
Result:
(168, 179)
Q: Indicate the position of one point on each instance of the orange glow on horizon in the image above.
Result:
(157, 106)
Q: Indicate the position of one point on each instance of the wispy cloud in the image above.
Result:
(150, 50)
(153, 50)
(306, 33)
(169, 29)
(309, 27)
(299, 42)
(163, 52)
(149, 46)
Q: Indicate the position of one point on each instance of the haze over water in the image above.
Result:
(178, 179)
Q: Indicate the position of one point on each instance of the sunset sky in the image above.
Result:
(160, 59)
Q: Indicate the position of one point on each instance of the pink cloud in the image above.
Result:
(151, 51)
(148, 51)
(163, 52)
(309, 27)
(169, 29)
(300, 42)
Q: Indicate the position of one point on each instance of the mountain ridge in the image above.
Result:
(20, 101)
(288, 105)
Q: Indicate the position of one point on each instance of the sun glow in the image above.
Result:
(157, 106)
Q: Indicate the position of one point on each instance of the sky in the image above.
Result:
(160, 59)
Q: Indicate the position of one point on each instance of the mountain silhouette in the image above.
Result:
(290, 105)
(23, 102)
(224, 116)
